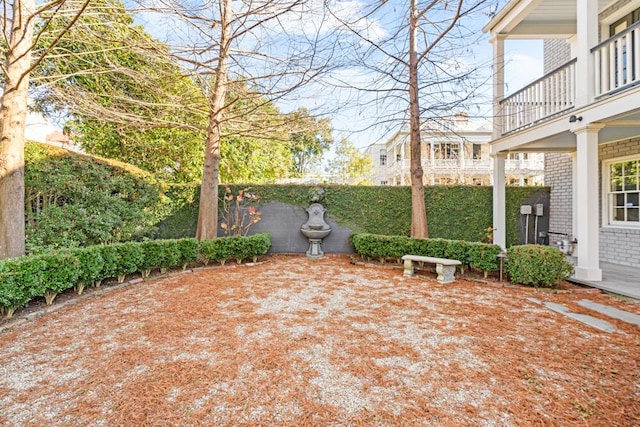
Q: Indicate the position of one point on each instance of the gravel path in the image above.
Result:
(293, 341)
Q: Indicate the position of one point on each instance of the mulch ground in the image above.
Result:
(293, 341)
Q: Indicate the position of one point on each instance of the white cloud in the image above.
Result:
(523, 64)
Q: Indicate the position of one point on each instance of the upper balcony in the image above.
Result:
(599, 68)
(534, 165)
(616, 64)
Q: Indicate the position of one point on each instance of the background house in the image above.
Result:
(455, 150)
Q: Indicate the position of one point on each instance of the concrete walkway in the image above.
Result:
(603, 325)
(619, 279)
(600, 324)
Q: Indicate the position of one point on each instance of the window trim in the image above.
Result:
(383, 157)
(607, 221)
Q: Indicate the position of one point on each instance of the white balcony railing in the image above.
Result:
(479, 164)
(551, 94)
(617, 61)
(468, 165)
(536, 164)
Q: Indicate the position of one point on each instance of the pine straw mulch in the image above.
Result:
(292, 341)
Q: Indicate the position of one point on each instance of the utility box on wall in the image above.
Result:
(533, 221)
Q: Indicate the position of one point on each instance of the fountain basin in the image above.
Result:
(315, 234)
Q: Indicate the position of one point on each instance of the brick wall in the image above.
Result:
(558, 175)
(619, 245)
(556, 53)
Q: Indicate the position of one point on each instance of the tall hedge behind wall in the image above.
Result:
(459, 212)
(80, 200)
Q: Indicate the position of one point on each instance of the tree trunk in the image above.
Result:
(418, 210)
(208, 208)
(12, 126)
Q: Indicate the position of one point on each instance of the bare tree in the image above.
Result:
(416, 69)
(260, 43)
(19, 38)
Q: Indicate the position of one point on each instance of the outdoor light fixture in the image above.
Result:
(574, 118)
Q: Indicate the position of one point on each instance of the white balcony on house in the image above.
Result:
(550, 95)
(601, 75)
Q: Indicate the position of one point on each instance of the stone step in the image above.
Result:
(607, 310)
(600, 324)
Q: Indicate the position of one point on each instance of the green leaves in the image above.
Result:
(537, 265)
(74, 200)
(25, 278)
(482, 256)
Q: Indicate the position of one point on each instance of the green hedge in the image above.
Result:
(536, 265)
(453, 212)
(236, 247)
(46, 275)
(75, 200)
(481, 256)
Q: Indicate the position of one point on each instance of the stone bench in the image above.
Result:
(446, 268)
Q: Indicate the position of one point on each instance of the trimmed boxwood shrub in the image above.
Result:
(163, 254)
(130, 256)
(153, 254)
(458, 249)
(28, 272)
(257, 245)
(61, 272)
(13, 293)
(236, 247)
(27, 277)
(171, 255)
(110, 260)
(540, 266)
(482, 256)
(90, 264)
(213, 250)
(188, 250)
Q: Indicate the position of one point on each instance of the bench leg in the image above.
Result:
(408, 268)
(445, 273)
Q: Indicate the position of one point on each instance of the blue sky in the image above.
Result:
(363, 124)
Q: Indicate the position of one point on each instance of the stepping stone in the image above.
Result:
(584, 318)
(607, 310)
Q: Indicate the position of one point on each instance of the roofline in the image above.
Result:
(500, 15)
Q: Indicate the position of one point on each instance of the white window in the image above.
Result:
(446, 150)
(623, 191)
(383, 157)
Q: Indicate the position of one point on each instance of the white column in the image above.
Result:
(586, 38)
(574, 201)
(499, 204)
(497, 40)
(461, 155)
(586, 192)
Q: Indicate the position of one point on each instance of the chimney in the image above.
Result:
(460, 120)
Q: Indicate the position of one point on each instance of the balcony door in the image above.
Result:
(621, 48)
(624, 23)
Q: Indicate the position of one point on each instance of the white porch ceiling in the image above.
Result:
(533, 18)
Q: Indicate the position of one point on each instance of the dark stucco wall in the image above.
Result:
(284, 221)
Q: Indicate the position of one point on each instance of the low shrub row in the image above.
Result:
(46, 275)
(481, 256)
(535, 265)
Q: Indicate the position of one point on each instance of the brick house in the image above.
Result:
(584, 113)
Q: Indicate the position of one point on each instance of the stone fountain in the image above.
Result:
(315, 229)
